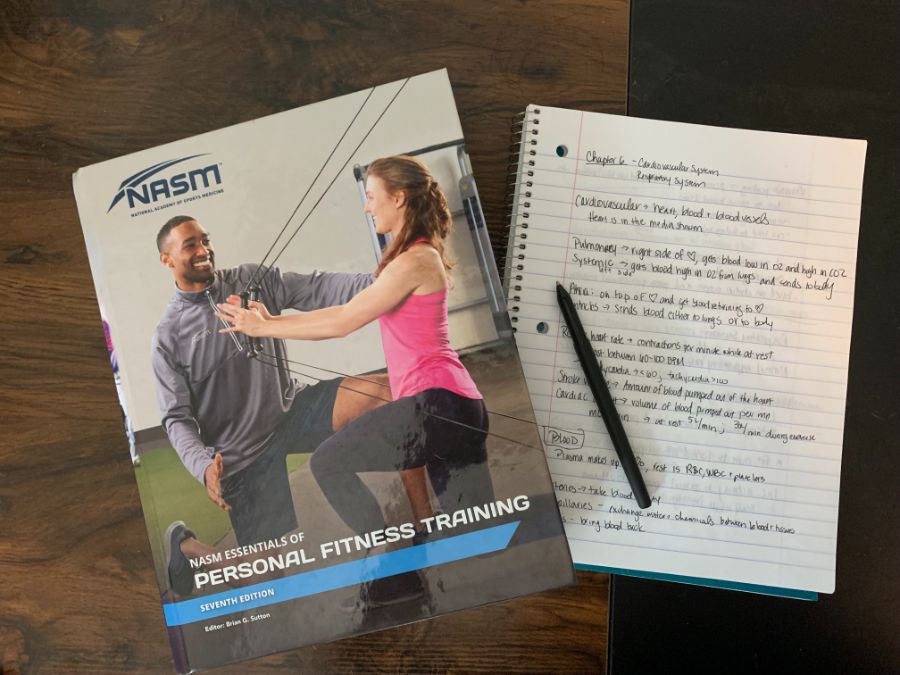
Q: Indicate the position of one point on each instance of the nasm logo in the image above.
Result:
(148, 187)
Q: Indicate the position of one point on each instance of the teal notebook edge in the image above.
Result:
(792, 593)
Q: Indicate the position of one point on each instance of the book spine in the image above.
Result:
(523, 150)
(175, 634)
(178, 645)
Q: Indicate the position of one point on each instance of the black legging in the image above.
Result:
(407, 433)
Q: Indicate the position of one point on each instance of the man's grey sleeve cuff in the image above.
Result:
(198, 466)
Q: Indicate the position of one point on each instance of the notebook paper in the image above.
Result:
(714, 272)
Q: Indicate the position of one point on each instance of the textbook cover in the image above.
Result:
(362, 453)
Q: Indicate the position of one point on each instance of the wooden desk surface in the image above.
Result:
(85, 82)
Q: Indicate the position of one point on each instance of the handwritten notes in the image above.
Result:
(714, 272)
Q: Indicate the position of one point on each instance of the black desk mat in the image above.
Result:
(825, 68)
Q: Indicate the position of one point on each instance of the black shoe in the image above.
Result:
(181, 578)
(395, 590)
(386, 592)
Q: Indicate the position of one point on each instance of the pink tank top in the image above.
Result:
(416, 343)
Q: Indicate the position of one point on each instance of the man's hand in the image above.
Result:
(247, 321)
(213, 479)
(253, 304)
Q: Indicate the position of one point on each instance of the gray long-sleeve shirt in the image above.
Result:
(211, 396)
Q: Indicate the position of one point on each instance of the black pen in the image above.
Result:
(594, 376)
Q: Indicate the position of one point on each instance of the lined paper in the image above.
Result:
(714, 272)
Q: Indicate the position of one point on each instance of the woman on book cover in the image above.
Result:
(437, 418)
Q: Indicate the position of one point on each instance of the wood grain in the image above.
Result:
(82, 82)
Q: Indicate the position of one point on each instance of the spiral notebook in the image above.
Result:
(714, 271)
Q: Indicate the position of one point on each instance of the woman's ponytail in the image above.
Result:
(427, 214)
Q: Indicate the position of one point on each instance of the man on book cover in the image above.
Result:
(232, 419)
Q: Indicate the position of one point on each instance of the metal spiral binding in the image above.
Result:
(520, 166)
(512, 171)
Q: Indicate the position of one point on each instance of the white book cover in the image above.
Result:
(290, 496)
